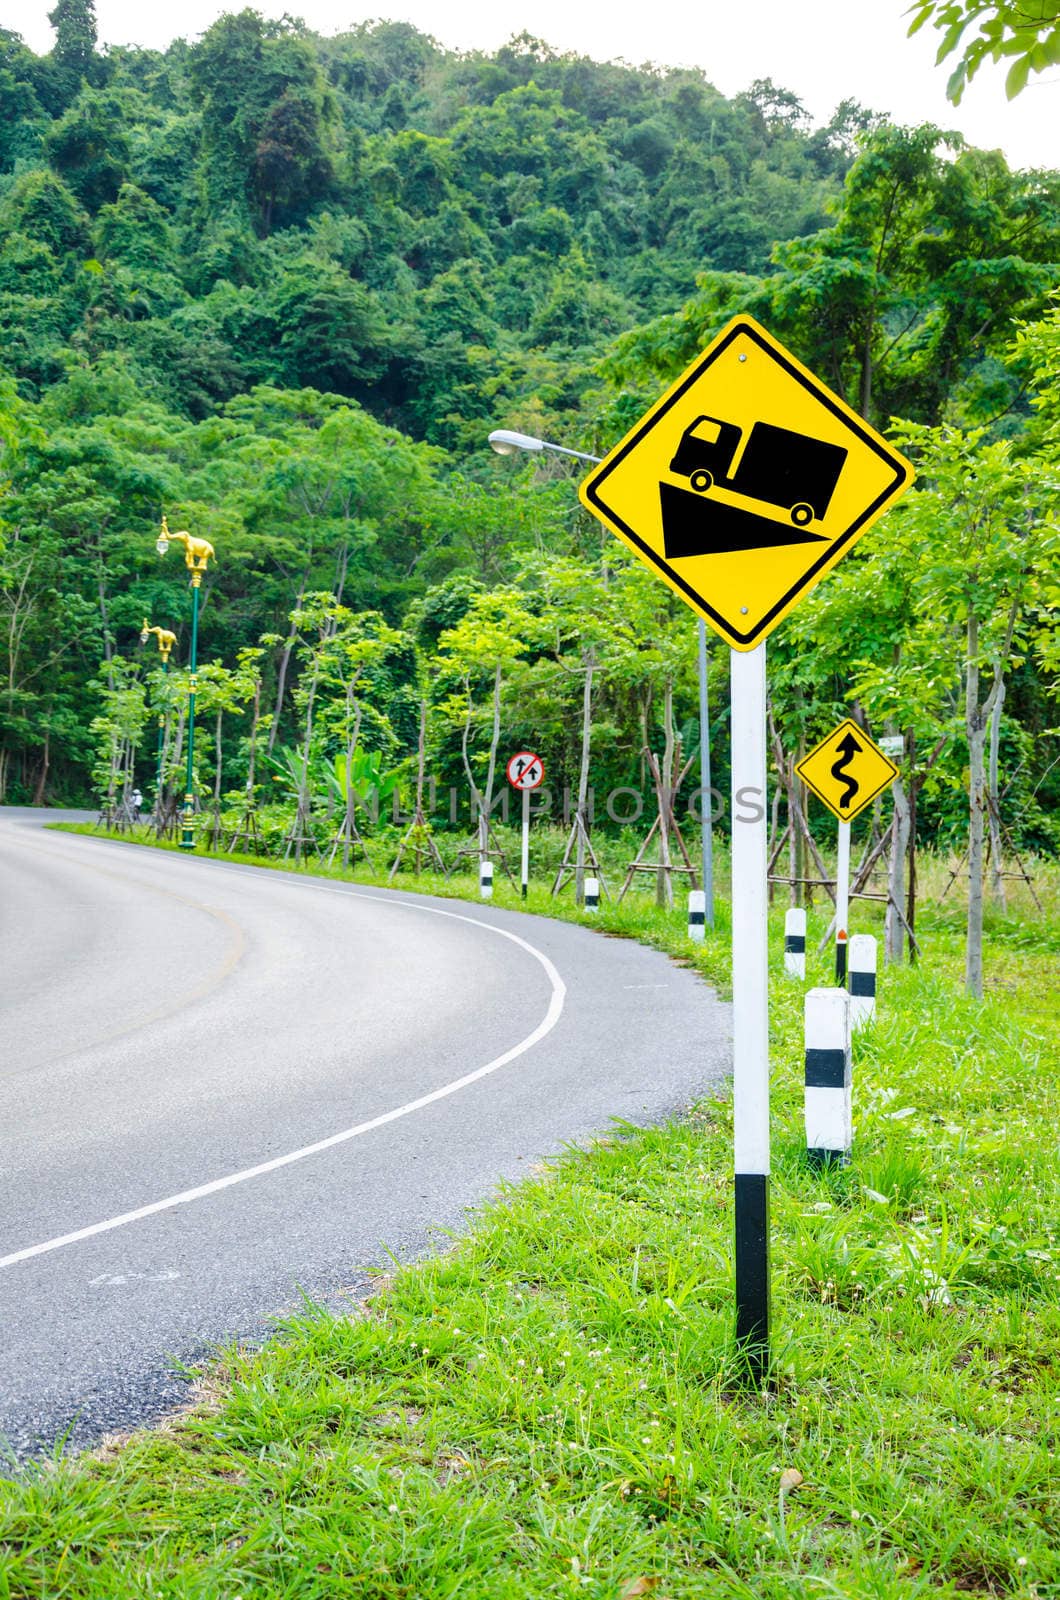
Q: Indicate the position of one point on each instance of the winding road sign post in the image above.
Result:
(526, 772)
(846, 771)
(740, 488)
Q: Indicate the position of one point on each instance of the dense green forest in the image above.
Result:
(279, 287)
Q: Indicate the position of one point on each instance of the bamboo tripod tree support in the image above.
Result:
(485, 845)
(419, 841)
(666, 827)
(568, 870)
(995, 817)
(247, 830)
(418, 837)
(349, 839)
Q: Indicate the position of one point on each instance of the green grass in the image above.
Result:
(552, 1408)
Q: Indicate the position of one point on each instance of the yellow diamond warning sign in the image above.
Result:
(846, 770)
(745, 483)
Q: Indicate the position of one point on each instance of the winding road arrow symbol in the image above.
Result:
(848, 748)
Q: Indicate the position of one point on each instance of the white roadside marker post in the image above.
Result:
(485, 879)
(862, 979)
(526, 842)
(592, 894)
(750, 1005)
(795, 942)
(697, 915)
(829, 1114)
(842, 901)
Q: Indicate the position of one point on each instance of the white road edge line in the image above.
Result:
(544, 1027)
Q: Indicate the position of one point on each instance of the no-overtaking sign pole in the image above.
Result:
(740, 488)
(526, 772)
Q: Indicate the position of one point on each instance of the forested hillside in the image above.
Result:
(279, 287)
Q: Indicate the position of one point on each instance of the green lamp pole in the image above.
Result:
(197, 553)
(166, 641)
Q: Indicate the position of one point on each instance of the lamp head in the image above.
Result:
(162, 544)
(507, 443)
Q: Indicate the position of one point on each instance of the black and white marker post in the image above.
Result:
(842, 901)
(795, 942)
(829, 1127)
(862, 980)
(750, 1005)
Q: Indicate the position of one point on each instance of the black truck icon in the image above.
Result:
(776, 466)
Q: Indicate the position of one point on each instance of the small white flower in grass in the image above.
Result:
(392, 1510)
(1021, 1561)
(855, 1516)
(539, 1372)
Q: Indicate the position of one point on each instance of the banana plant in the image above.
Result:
(371, 786)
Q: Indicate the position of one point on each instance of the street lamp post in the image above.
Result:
(166, 641)
(506, 443)
(197, 553)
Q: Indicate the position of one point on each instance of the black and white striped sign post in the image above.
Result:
(750, 1004)
(795, 942)
(485, 879)
(657, 491)
(842, 901)
(847, 771)
(697, 915)
(592, 894)
(526, 772)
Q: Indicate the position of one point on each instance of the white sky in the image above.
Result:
(824, 50)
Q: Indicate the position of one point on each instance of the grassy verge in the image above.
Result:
(550, 1410)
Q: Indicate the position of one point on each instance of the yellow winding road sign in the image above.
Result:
(745, 483)
(846, 770)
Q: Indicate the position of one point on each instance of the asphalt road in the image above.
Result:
(221, 1086)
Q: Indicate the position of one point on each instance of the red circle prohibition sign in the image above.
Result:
(525, 770)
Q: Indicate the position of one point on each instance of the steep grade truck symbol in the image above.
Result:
(776, 467)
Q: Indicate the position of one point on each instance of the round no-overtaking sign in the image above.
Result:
(526, 771)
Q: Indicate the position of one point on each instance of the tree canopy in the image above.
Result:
(280, 287)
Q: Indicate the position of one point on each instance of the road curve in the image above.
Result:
(221, 1086)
